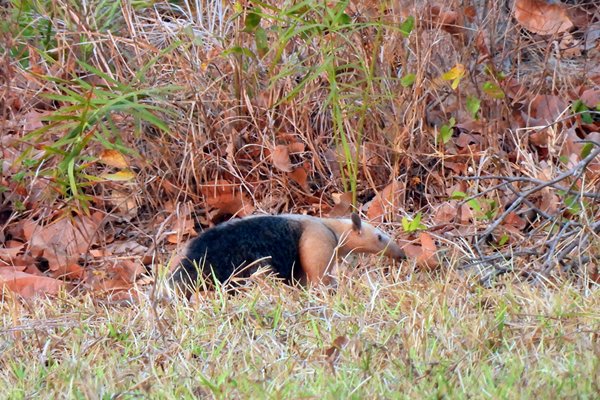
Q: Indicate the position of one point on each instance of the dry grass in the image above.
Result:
(409, 336)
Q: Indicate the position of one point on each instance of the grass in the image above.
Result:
(409, 336)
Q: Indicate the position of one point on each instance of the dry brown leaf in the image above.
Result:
(448, 20)
(9, 254)
(33, 120)
(445, 213)
(115, 278)
(113, 158)
(550, 202)
(547, 109)
(386, 202)
(62, 242)
(28, 285)
(459, 168)
(423, 253)
(342, 206)
(281, 158)
(296, 147)
(182, 228)
(541, 17)
(125, 203)
(591, 97)
(301, 177)
(465, 214)
(427, 259)
(130, 248)
(514, 220)
(225, 198)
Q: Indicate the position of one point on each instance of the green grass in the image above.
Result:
(412, 338)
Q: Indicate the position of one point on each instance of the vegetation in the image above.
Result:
(468, 130)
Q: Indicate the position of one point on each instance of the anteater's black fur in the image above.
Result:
(226, 250)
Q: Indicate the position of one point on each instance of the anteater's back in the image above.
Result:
(227, 249)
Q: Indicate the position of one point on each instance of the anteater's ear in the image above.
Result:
(356, 222)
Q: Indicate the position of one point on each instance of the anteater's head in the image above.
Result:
(365, 238)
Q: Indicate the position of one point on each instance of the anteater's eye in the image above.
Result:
(379, 237)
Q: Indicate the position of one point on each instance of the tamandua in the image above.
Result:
(297, 248)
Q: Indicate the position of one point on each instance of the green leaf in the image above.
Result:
(252, 20)
(405, 224)
(344, 19)
(503, 239)
(474, 204)
(583, 110)
(493, 90)
(407, 26)
(262, 43)
(447, 130)
(407, 80)
(458, 195)
(572, 203)
(586, 150)
(473, 105)
(239, 50)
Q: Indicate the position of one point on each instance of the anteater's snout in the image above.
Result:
(394, 251)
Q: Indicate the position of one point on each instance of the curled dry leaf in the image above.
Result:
(541, 17)
(28, 285)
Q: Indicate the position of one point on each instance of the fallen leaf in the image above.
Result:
(301, 177)
(423, 253)
(32, 121)
(385, 202)
(281, 158)
(125, 203)
(28, 285)
(62, 242)
(225, 198)
(182, 228)
(591, 98)
(342, 206)
(547, 109)
(541, 17)
(444, 213)
(113, 158)
(120, 176)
